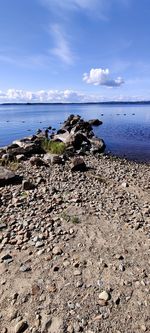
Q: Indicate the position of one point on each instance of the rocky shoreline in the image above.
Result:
(74, 237)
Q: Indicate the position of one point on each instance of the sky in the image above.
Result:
(74, 50)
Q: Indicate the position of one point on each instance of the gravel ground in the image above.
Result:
(75, 249)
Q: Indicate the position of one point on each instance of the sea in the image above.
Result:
(125, 128)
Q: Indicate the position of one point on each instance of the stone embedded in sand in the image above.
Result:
(77, 272)
(7, 258)
(25, 268)
(104, 296)
(27, 185)
(57, 250)
(21, 327)
(3, 226)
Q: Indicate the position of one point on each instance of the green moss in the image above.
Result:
(73, 219)
(53, 147)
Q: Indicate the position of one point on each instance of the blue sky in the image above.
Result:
(74, 50)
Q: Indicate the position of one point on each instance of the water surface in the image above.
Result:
(125, 129)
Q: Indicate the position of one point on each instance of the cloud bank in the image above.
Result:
(43, 96)
(60, 96)
(101, 77)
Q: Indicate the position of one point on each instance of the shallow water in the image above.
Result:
(125, 129)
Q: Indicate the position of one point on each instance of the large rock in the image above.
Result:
(74, 123)
(26, 146)
(37, 161)
(64, 137)
(97, 145)
(53, 158)
(95, 122)
(72, 139)
(78, 164)
(8, 177)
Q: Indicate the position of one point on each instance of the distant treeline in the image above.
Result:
(87, 103)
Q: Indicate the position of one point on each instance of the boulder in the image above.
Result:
(53, 158)
(97, 145)
(8, 177)
(78, 164)
(79, 139)
(27, 149)
(71, 121)
(20, 157)
(37, 161)
(64, 137)
(74, 123)
(95, 122)
(26, 146)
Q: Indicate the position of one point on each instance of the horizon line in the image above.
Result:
(76, 103)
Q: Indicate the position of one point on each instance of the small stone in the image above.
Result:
(71, 231)
(121, 267)
(104, 296)
(56, 268)
(42, 298)
(27, 185)
(25, 268)
(21, 326)
(71, 305)
(13, 315)
(45, 325)
(143, 328)
(77, 272)
(39, 244)
(7, 258)
(124, 184)
(40, 252)
(3, 282)
(3, 226)
(102, 302)
(57, 250)
(70, 329)
(79, 284)
(4, 330)
(66, 263)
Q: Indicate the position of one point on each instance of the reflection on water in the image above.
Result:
(125, 129)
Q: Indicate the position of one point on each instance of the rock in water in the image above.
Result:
(8, 177)
(95, 122)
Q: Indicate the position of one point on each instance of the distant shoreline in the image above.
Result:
(84, 103)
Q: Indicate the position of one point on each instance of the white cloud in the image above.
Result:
(99, 76)
(43, 96)
(61, 96)
(62, 48)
